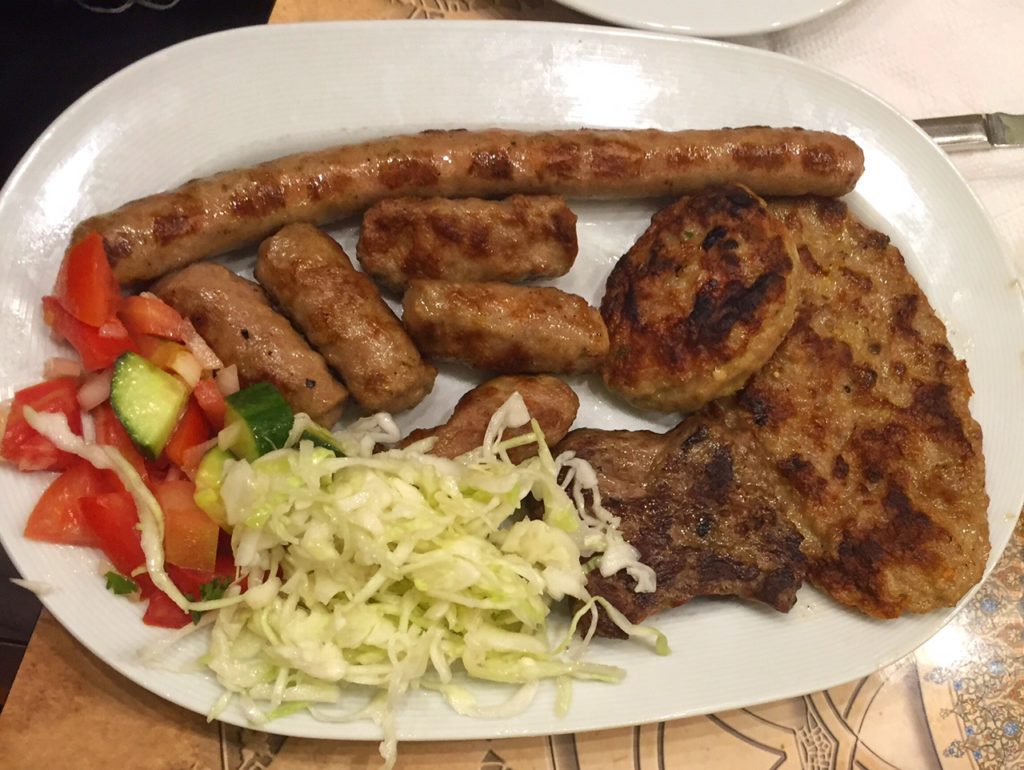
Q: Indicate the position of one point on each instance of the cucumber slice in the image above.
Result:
(208, 482)
(265, 417)
(322, 438)
(148, 401)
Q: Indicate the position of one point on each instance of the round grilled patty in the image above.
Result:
(700, 302)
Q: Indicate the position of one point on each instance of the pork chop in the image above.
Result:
(704, 509)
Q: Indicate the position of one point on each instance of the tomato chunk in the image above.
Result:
(86, 287)
(211, 401)
(114, 520)
(58, 516)
(98, 348)
(110, 432)
(164, 613)
(22, 445)
(192, 429)
(190, 536)
(149, 315)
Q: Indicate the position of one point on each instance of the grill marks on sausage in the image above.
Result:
(414, 172)
(491, 164)
(261, 195)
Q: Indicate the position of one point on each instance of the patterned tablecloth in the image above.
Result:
(956, 703)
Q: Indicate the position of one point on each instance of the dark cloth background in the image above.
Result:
(52, 52)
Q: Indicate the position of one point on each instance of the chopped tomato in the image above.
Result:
(190, 536)
(211, 401)
(114, 520)
(149, 315)
(192, 429)
(97, 347)
(86, 287)
(110, 432)
(164, 613)
(26, 448)
(58, 517)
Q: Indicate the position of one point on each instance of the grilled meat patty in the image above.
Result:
(703, 508)
(863, 410)
(700, 302)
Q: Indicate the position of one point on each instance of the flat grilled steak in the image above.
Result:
(704, 509)
(863, 409)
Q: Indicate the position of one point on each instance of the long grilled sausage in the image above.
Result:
(551, 402)
(235, 318)
(309, 276)
(154, 235)
(467, 239)
(503, 328)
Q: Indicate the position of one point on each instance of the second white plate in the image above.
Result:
(706, 18)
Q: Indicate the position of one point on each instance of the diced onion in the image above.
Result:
(61, 367)
(227, 380)
(187, 366)
(95, 390)
(198, 347)
(229, 435)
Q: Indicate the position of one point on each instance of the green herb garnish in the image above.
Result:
(120, 584)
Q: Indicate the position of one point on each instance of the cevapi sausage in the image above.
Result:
(310, 277)
(236, 320)
(503, 328)
(467, 239)
(551, 402)
(154, 235)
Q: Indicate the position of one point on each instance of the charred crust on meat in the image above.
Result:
(864, 377)
(704, 525)
(561, 158)
(757, 155)
(310, 383)
(169, 227)
(717, 478)
(260, 196)
(861, 281)
(408, 172)
(840, 468)
(933, 410)
(697, 437)
(808, 261)
(715, 312)
(801, 474)
(611, 158)
(714, 235)
(117, 248)
(758, 406)
(244, 334)
(491, 164)
(904, 310)
(819, 159)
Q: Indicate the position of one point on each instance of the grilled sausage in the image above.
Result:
(551, 402)
(340, 311)
(235, 318)
(503, 328)
(154, 235)
(468, 239)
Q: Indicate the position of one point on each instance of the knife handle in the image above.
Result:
(957, 132)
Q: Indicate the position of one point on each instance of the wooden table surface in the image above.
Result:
(956, 703)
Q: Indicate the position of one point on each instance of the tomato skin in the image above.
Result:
(190, 536)
(151, 316)
(97, 348)
(113, 519)
(211, 401)
(162, 612)
(192, 429)
(86, 287)
(22, 445)
(58, 517)
(110, 432)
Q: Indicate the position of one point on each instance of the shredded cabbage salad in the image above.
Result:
(398, 570)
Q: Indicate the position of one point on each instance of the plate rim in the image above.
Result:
(723, 29)
(153, 59)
